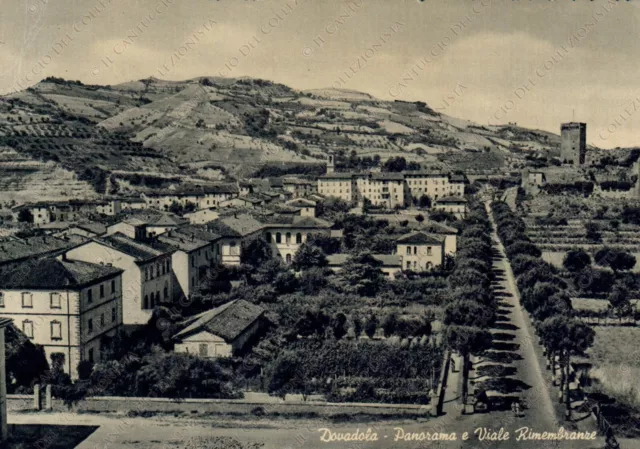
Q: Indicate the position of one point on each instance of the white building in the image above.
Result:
(286, 234)
(147, 276)
(191, 258)
(65, 306)
(420, 251)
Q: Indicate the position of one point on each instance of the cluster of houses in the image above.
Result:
(83, 279)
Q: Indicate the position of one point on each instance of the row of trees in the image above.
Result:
(472, 309)
(543, 294)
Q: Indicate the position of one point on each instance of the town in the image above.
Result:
(442, 287)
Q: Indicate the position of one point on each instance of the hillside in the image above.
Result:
(208, 128)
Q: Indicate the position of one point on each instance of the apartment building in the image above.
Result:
(65, 306)
(147, 276)
(391, 189)
(338, 185)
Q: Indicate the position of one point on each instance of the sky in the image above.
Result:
(537, 63)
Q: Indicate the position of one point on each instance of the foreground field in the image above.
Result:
(615, 356)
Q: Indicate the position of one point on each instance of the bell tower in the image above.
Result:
(330, 164)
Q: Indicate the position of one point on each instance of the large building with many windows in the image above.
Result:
(147, 276)
(65, 306)
(391, 189)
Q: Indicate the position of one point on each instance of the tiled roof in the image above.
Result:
(227, 321)
(200, 232)
(243, 224)
(182, 241)
(55, 274)
(15, 250)
(421, 238)
(138, 250)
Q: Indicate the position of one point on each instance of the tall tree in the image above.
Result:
(467, 340)
(309, 256)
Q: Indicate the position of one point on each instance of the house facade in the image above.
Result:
(221, 332)
(65, 306)
(420, 251)
(147, 272)
(286, 236)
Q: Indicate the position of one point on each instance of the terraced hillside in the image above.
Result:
(236, 126)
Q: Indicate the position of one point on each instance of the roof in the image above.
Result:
(15, 250)
(52, 273)
(153, 218)
(295, 221)
(93, 227)
(228, 321)
(343, 175)
(388, 176)
(388, 260)
(200, 232)
(242, 224)
(183, 241)
(451, 199)
(420, 238)
(138, 250)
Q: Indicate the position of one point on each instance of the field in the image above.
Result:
(615, 356)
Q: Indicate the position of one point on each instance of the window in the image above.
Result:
(113, 287)
(267, 236)
(428, 250)
(415, 250)
(55, 301)
(146, 274)
(193, 281)
(158, 297)
(114, 315)
(203, 350)
(145, 304)
(27, 300)
(288, 258)
(298, 238)
(415, 265)
(102, 290)
(1, 299)
(168, 266)
(56, 330)
(278, 237)
(102, 320)
(288, 238)
(89, 295)
(91, 355)
(27, 328)
(166, 290)
(90, 326)
(408, 265)
(408, 250)
(193, 261)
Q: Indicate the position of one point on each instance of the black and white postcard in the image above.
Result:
(310, 224)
